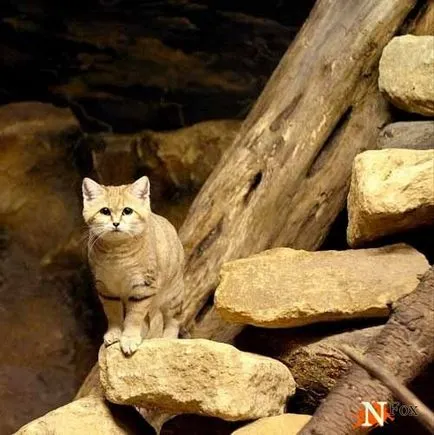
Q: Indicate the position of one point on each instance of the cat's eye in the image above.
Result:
(105, 211)
(127, 210)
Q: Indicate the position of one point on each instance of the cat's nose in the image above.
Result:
(115, 224)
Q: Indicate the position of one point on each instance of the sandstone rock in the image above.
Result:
(46, 316)
(91, 386)
(36, 170)
(40, 121)
(90, 416)
(417, 135)
(391, 190)
(177, 162)
(284, 287)
(285, 424)
(114, 158)
(196, 376)
(187, 156)
(406, 73)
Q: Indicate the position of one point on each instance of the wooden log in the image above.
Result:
(286, 177)
(401, 392)
(312, 354)
(405, 346)
(423, 23)
(415, 135)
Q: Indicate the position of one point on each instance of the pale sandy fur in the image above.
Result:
(138, 269)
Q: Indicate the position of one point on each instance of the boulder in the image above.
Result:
(114, 158)
(177, 162)
(285, 424)
(406, 73)
(91, 416)
(178, 159)
(36, 169)
(91, 385)
(48, 316)
(391, 191)
(416, 135)
(184, 158)
(196, 376)
(284, 287)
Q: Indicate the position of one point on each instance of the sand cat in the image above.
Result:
(137, 261)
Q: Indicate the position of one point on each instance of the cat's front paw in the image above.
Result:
(113, 335)
(130, 343)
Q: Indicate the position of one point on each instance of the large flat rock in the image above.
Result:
(391, 191)
(284, 287)
(196, 376)
(407, 71)
(285, 424)
(90, 416)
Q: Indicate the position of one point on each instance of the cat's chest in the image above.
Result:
(119, 278)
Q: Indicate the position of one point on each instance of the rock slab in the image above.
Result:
(416, 135)
(407, 73)
(284, 287)
(285, 424)
(391, 191)
(196, 376)
(89, 416)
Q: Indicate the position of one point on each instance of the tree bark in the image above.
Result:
(286, 176)
(313, 355)
(401, 392)
(405, 346)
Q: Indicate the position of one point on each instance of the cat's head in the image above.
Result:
(116, 212)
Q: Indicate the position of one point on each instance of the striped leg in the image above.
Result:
(136, 312)
(114, 311)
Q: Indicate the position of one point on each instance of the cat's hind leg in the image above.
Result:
(173, 309)
(171, 328)
(156, 324)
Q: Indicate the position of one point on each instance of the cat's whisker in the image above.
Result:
(93, 243)
(95, 238)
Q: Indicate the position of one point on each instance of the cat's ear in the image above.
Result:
(91, 189)
(141, 188)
